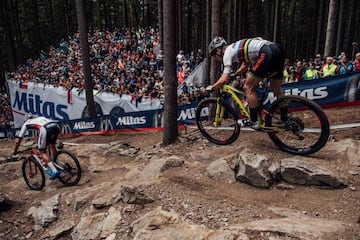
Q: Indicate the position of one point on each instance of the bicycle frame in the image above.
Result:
(233, 92)
(34, 153)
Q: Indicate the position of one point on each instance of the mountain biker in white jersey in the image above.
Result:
(260, 57)
(48, 134)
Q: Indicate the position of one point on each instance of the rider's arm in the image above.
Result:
(19, 137)
(17, 144)
(224, 79)
(244, 66)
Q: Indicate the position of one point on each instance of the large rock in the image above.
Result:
(45, 214)
(296, 171)
(162, 225)
(294, 225)
(150, 170)
(253, 169)
(352, 154)
(89, 227)
(220, 170)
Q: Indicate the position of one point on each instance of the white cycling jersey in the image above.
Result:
(244, 50)
(48, 130)
(33, 124)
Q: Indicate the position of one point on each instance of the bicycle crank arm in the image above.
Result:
(299, 136)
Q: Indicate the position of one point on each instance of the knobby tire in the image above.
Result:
(224, 134)
(70, 167)
(304, 114)
(33, 174)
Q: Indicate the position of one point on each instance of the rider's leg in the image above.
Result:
(42, 144)
(251, 82)
(276, 88)
(52, 150)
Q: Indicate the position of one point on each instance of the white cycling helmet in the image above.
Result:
(215, 44)
(28, 116)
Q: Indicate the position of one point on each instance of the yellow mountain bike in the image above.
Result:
(294, 123)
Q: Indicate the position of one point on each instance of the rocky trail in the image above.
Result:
(133, 188)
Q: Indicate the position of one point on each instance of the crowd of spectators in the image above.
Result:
(126, 61)
(317, 67)
(5, 111)
(129, 61)
(122, 62)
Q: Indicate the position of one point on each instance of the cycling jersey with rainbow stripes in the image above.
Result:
(244, 50)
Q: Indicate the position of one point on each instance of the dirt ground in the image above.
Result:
(188, 190)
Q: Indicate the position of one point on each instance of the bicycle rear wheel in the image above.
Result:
(68, 164)
(33, 174)
(227, 131)
(306, 130)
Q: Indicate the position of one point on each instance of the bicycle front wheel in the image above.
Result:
(305, 129)
(69, 166)
(223, 132)
(33, 174)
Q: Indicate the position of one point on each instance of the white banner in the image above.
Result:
(59, 104)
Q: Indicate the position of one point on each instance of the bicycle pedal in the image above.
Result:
(245, 122)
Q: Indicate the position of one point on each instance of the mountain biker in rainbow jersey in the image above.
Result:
(261, 57)
(48, 134)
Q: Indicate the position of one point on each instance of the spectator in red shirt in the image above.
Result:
(357, 62)
(299, 71)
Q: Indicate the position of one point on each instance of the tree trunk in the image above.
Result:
(215, 31)
(349, 32)
(161, 23)
(125, 13)
(340, 29)
(208, 39)
(258, 17)
(277, 20)
(85, 57)
(231, 25)
(170, 80)
(179, 19)
(19, 44)
(36, 29)
(244, 19)
(330, 40)
(52, 35)
(8, 34)
(189, 27)
(319, 22)
(201, 23)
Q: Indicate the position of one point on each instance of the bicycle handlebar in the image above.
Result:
(232, 78)
(25, 150)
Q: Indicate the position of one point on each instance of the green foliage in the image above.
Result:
(35, 25)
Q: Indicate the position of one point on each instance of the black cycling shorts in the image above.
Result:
(53, 131)
(270, 63)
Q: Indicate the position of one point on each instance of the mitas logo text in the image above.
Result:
(34, 104)
(83, 125)
(310, 93)
(130, 120)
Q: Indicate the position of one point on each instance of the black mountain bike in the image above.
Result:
(33, 169)
(294, 123)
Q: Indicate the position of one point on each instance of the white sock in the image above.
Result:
(52, 167)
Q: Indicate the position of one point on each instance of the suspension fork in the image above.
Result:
(31, 166)
(220, 111)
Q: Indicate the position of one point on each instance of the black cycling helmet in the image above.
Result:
(215, 44)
